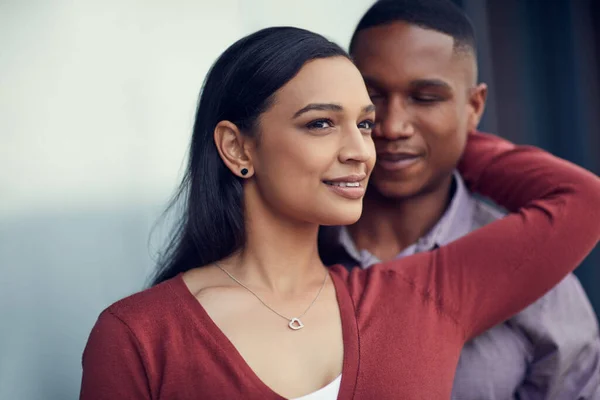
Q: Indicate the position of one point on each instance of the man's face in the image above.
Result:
(426, 102)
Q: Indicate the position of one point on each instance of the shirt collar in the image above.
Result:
(455, 222)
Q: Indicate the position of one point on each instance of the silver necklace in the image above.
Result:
(293, 323)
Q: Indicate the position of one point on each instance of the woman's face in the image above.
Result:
(314, 151)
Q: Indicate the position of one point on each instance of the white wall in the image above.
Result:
(96, 106)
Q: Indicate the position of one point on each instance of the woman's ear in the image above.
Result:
(233, 149)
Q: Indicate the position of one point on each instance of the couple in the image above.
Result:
(285, 141)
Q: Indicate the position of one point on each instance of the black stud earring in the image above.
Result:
(244, 171)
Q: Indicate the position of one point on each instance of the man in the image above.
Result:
(418, 60)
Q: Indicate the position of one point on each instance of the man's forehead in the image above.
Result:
(402, 37)
(410, 49)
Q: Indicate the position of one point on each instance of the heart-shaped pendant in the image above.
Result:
(295, 324)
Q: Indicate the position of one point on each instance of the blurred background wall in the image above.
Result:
(96, 108)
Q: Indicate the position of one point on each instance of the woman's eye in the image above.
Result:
(320, 124)
(368, 125)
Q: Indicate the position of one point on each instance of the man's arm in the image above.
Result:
(566, 345)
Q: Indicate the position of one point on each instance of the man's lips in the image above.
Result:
(397, 161)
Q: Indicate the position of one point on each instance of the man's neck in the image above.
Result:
(388, 226)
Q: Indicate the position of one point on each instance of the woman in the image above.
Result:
(244, 308)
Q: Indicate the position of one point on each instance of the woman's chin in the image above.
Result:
(342, 217)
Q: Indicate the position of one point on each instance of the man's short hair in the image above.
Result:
(439, 15)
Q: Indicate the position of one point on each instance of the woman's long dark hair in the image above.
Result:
(239, 87)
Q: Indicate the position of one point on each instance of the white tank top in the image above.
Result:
(329, 392)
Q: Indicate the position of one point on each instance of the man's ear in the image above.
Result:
(477, 98)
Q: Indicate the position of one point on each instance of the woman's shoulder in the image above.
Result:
(146, 309)
(402, 286)
(357, 274)
(384, 277)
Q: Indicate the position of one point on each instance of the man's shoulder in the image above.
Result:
(566, 304)
(485, 211)
(472, 207)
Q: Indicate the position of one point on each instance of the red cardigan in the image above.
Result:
(404, 322)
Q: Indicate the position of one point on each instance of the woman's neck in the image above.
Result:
(280, 254)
